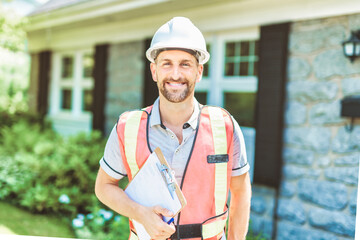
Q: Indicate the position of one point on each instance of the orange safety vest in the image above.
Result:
(206, 179)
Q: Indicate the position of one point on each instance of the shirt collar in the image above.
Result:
(156, 120)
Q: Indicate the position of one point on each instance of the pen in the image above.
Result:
(170, 221)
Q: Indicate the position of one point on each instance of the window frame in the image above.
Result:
(75, 119)
(77, 84)
(217, 83)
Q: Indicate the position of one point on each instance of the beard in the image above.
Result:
(177, 95)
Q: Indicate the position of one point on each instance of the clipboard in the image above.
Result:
(155, 184)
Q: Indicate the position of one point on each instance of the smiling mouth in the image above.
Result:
(173, 84)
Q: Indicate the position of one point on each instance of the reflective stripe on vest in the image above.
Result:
(220, 146)
(213, 229)
(130, 135)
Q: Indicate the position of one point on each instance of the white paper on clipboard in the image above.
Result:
(149, 188)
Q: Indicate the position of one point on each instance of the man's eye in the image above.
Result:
(186, 64)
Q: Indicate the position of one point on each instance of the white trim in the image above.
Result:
(75, 119)
(76, 100)
(68, 15)
(142, 22)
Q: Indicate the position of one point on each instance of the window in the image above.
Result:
(71, 96)
(230, 77)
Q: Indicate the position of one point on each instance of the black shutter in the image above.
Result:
(43, 83)
(150, 90)
(273, 56)
(99, 91)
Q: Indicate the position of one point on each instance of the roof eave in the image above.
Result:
(85, 11)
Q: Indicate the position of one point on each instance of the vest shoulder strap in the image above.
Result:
(218, 128)
(131, 121)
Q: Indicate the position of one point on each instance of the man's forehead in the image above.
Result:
(176, 54)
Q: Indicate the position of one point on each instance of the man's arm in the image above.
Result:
(240, 189)
(108, 192)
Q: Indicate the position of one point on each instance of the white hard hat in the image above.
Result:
(178, 33)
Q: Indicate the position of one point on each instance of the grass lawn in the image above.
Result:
(18, 221)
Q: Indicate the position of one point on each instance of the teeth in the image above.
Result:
(175, 84)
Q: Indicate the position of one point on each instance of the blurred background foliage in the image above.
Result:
(44, 172)
(14, 62)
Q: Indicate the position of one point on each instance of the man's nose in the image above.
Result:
(176, 73)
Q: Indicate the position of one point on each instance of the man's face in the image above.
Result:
(176, 73)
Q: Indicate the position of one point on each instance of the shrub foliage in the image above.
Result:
(46, 173)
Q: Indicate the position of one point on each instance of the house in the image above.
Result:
(277, 65)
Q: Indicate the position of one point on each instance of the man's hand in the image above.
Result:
(154, 224)
(108, 191)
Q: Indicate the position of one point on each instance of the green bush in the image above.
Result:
(46, 173)
(37, 166)
(101, 224)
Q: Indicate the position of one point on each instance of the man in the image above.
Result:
(203, 145)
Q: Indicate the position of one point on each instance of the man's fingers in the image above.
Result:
(160, 229)
(163, 211)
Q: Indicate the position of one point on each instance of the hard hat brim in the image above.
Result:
(151, 53)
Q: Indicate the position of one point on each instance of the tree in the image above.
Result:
(14, 62)
(12, 33)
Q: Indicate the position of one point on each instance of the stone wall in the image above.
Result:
(262, 210)
(321, 158)
(125, 80)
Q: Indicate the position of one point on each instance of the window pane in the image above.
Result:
(201, 97)
(230, 49)
(244, 48)
(206, 70)
(87, 100)
(255, 69)
(256, 48)
(66, 99)
(240, 58)
(244, 69)
(88, 64)
(67, 67)
(242, 107)
(229, 69)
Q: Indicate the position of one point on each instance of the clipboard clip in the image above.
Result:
(168, 177)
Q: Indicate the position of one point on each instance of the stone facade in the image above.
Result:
(125, 80)
(317, 199)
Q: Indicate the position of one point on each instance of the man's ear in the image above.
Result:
(200, 72)
(153, 71)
